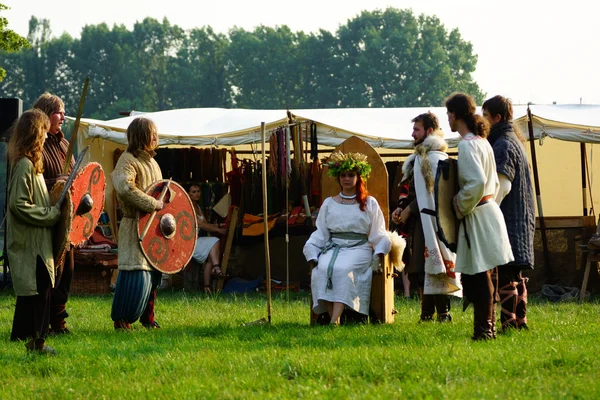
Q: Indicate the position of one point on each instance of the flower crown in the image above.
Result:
(339, 162)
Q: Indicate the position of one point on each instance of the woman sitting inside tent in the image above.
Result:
(208, 250)
(350, 237)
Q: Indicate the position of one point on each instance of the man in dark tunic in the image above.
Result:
(515, 198)
(54, 154)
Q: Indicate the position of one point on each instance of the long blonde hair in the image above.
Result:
(139, 135)
(27, 138)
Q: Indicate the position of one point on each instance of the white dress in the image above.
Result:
(485, 243)
(352, 272)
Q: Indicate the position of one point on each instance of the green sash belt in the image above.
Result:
(362, 239)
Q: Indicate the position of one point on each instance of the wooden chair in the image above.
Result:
(234, 214)
(382, 288)
(194, 271)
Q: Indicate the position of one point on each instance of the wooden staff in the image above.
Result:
(76, 127)
(266, 219)
(160, 198)
(537, 188)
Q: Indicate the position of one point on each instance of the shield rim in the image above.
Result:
(67, 210)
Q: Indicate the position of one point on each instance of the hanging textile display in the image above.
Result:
(314, 144)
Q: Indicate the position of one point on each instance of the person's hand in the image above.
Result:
(221, 231)
(396, 215)
(404, 215)
(62, 177)
(159, 205)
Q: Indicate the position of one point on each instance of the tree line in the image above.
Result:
(381, 58)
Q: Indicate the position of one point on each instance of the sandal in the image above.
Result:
(207, 289)
(217, 273)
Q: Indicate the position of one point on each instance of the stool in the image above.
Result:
(593, 256)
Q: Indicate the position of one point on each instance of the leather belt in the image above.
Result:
(484, 200)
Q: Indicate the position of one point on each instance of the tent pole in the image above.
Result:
(287, 213)
(266, 220)
(537, 189)
(583, 178)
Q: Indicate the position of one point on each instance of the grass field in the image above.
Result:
(203, 351)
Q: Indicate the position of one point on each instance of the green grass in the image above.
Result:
(203, 351)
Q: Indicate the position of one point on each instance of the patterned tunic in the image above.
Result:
(130, 178)
(518, 205)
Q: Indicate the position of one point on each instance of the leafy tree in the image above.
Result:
(155, 47)
(200, 72)
(10, 41)
(264, 68)
(318, 59)
(393, 59)
(389, 58)
(107, 57)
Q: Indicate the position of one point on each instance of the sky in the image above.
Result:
(535, 51)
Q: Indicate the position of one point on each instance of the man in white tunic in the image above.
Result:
(431, 265)
(349, 239)
(483, 241)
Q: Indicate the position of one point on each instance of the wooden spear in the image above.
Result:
(75, 128)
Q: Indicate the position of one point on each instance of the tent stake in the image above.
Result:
(537, 189)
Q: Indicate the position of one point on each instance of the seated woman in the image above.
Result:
(207, 247)
(350, 237)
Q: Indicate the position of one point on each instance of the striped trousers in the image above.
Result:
(134, 296)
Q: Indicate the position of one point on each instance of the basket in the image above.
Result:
(93, 272)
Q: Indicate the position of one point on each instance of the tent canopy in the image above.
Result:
(381, 127)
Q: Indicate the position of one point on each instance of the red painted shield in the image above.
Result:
(87, 195)
(81, 209)
(169, 235)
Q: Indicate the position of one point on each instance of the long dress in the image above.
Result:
(352, 271)
(483, 241)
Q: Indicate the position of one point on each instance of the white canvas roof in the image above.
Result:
(381, 127)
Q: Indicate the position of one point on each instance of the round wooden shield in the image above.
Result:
(62, 229)
(168, 236)
(445, 188)
(87, 196)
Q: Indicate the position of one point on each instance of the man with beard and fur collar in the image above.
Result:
(515, 198)
(430, 263)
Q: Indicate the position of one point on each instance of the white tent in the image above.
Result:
(384, 128)
(381, 127)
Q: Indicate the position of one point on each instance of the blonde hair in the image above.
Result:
(139, 135)
(27, 138)
(49, 103)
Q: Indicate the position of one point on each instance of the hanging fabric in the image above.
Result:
(314, 144)
(273, 149)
